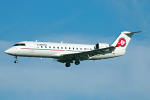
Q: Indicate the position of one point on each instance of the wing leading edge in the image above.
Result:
(84, 55)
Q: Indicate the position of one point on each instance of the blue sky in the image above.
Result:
(75, 21)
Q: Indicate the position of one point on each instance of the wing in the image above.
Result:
(84, 55)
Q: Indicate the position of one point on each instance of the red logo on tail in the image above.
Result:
(121, 42)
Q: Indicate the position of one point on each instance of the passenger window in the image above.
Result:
(77, 48)
(61, 47)
(65, 47)
(45, 46)
(69, 47)
(54, 47)
(49, 46)
(80, 48)
(41, 46)
(57, 47)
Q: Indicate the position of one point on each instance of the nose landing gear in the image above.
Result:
(16, 61)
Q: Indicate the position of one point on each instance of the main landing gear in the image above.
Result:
(16, 61)
(68, 63)
(77, 62)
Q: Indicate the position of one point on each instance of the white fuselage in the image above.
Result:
(56, 50)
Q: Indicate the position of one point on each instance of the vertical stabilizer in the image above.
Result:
(123, 40)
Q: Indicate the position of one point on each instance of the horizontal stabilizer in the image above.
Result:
(133, 32)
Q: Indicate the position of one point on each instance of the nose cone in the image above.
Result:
(11, 51)
(7, 51)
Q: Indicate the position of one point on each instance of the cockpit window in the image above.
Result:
(20, 44)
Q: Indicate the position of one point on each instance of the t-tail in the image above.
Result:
(122, 41)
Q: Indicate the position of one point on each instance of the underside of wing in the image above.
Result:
(84, 55)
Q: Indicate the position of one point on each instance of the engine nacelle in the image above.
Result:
(101, 45)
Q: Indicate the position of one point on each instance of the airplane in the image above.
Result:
(71, 53)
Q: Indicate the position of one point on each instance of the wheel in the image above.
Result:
(77, 62)
(67, 65)
(15, 61)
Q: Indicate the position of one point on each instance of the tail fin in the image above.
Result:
(124, 39)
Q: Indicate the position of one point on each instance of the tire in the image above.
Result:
(77, 62)
(15, 61)
(67, 65)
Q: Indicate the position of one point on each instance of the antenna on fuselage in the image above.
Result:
(62, 41)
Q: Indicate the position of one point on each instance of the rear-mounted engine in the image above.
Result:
(101, 45)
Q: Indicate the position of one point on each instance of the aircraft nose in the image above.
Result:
(11, 51)
(7, 51)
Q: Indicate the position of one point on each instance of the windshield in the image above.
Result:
(20, 44)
